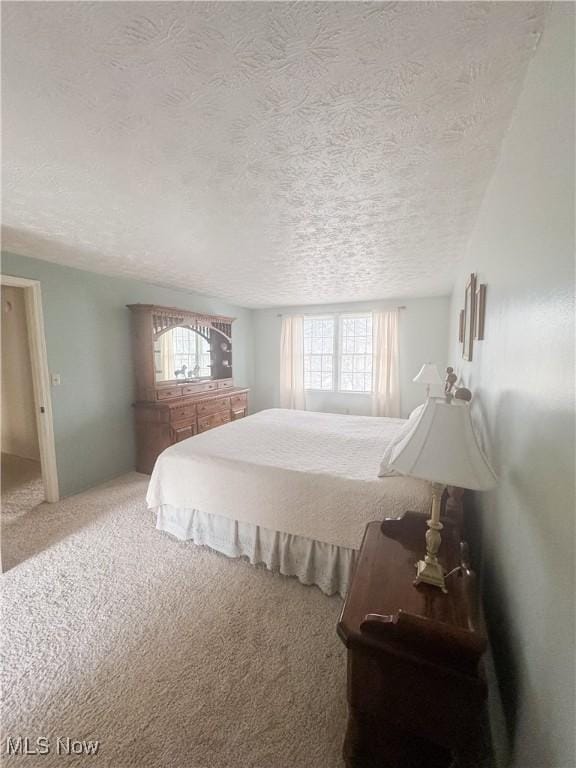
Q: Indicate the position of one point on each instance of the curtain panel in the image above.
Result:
(292, 363)
(167, 355)
(386, 375)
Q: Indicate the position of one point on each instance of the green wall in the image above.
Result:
(88, 340)
(522, 377)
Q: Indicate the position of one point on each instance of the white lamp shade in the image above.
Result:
(442, 447)
(428, 374)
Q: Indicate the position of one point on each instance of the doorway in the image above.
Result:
(29, 474)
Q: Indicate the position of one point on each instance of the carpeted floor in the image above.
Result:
(170, 655)
(21, 484)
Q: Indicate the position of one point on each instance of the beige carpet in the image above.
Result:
(21, 484)
(171, 655)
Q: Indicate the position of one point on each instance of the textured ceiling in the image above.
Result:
(265, 153)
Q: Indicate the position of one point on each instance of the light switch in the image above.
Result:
(56, 380)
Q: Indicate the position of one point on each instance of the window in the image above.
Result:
(319, 336)
(338, 353)
(191, 350)
(355, 354)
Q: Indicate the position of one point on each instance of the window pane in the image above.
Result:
(315, 380)
(346, 363)
(346, 383)
(348, 344)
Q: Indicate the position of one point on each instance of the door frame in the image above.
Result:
(40, 380)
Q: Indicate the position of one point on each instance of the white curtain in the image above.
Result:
(292, 363)
(386, 377)
(166, 344)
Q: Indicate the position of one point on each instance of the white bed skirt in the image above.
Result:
(312, 562)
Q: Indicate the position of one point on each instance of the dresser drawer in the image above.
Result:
(225, 384)
(238, 401)
(180, 433)
(213, 406)
(215, 420)
(194, 389)
(168, 392)
(183, 413)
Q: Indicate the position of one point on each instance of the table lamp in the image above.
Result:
(429, 375)
(442, 447)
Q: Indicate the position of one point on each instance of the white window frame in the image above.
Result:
(337, 317)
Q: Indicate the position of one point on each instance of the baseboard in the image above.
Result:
(90, 486)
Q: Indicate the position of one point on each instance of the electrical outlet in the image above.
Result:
(55, 379)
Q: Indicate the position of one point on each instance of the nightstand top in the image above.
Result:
(383, 584)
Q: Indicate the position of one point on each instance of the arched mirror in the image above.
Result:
(182, 354)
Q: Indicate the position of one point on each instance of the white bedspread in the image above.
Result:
(307, 474)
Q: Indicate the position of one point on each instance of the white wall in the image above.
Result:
(19, 435)
(423, 337)
(522, 375)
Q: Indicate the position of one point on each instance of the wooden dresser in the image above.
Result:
(168, 410)
(415, 684)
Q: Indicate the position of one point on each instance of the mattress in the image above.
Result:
(313, 475)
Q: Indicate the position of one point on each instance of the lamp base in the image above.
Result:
(430, 573)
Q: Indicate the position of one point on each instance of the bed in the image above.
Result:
(293, 490)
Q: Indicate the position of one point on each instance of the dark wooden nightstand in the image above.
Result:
(415, 686)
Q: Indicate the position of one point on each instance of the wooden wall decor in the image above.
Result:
(469, 313)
